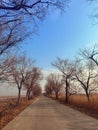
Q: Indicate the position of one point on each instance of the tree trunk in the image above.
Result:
(27, 94)
(56, 93)
(87, 94)
(66, 99)
(19, 92)
(67, 86)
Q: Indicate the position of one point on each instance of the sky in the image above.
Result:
(62, 35)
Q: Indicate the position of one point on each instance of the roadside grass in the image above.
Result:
(9, 110)
(80, 103)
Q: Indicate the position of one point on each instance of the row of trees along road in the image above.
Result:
(78, 76)
(22, 72)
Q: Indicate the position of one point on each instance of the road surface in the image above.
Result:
(47, 114)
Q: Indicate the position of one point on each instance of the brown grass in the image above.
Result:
(79, 102)
(9, 110)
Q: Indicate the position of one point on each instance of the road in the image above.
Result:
(47, 114)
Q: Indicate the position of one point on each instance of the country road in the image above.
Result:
(47, 114)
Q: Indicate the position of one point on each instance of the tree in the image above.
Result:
(32, 80)
(65, 67)
(27, 7)
(85, 73)
(48, 88)
(4, 68)
(10, 35)
(18, 19)
(37, 90)
(18, 73)
(55, 83)
(74, 88)
(90, 54)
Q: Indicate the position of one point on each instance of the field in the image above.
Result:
(79, 102)
(9, 109)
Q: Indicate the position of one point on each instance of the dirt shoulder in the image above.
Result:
(9, 110)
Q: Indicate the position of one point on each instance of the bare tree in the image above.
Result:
(85, 73)
(48, 88)
(11, 35)
(5, 62)
(32, 80)
(16, 16)
(18, 73)
(65, 67)
(29, 7)
(55, 83)
(74, 88)
(90, 54)
(37, 90)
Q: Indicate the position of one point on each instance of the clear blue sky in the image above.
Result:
(63, 35)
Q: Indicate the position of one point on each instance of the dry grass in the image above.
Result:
(9, 110)
(80, 102)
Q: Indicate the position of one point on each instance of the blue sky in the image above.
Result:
(63, 35)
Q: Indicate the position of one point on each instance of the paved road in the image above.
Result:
(47, 114)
